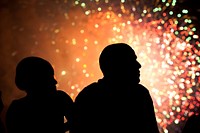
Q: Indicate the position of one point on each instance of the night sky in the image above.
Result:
(70, 34)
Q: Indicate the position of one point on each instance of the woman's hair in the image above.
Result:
(31, 69)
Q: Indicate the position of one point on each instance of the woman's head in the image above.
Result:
(34, 73)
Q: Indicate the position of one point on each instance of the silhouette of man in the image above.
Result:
(44, 107)
(117, 103)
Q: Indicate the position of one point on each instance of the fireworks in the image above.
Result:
(71, 35)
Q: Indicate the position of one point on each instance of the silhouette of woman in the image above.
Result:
(117, 103)
(44, 107)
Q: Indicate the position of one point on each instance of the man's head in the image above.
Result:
(119, 61)
(35, 74)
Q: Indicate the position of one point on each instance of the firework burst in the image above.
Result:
(165, 40)
(72, 33)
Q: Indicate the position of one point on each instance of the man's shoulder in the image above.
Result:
(88, 91)
(143, 88)
(90, 88)
(62, 95)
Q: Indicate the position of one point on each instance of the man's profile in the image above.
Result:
(117, 102)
